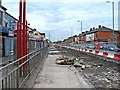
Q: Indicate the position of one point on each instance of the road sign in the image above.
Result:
(113, 37)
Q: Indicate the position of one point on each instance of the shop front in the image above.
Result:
(6, 42)
(3, 36)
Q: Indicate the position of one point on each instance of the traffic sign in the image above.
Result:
(113, 37)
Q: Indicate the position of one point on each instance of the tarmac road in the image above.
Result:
(53, 75)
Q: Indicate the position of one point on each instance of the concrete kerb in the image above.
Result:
(82, 78)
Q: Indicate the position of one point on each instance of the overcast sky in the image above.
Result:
(59, 18)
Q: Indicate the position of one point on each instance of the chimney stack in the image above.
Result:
(82, 32)
(93, 28)
(99, 26)
(90, 29)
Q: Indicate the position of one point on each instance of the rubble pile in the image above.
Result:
(76, 62)
(98, 72)
(102, 75)
(65, 60)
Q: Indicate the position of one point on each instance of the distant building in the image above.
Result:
(8, 27)
(100, 34)
(3, 30)
(8, 32)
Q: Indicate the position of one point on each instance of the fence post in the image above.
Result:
(17, 76)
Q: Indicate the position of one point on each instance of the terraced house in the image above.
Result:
(8, 26)
(3, 29)
(100, 34)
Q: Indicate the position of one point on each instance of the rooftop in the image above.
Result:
(3, 8)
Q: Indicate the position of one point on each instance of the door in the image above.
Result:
(7, 46)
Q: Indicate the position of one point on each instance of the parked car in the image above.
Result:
(105, 47)
(102, 45)
(83, 46)
(112, 47)
(91, 46)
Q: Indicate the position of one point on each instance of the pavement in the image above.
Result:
(53, 75)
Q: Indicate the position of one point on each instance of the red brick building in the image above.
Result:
(100, 34)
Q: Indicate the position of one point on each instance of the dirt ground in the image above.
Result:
(101, 73)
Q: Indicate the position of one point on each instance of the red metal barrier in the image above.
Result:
(90, 51)
(96, 52)
(117, 56)
(85, 50)
(105, 54)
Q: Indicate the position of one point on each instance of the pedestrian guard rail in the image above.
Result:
(14, 74)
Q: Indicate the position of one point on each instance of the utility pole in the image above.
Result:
(81, 29)
(113, 36)
(49, 35)
(81, 26)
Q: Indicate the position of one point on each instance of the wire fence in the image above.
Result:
(14, 74)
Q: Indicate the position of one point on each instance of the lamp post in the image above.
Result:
(113, 36)
(81, 26)
(49, 35)
(81, 29)
(112, 13)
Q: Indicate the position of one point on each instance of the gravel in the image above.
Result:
(101, 73)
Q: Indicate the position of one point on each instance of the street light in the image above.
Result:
(49, 35)
(112, 14)
(81, 29)
(81, 26)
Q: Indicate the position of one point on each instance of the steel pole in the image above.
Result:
(19, 36)
(113, 15)
(24, 37)
(24, 14)
(81, 27)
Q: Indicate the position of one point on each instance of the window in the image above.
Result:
(1, 16)
(36, 34)
(6, 24)
(1, 45)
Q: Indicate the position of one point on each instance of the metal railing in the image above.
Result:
(14, 74)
